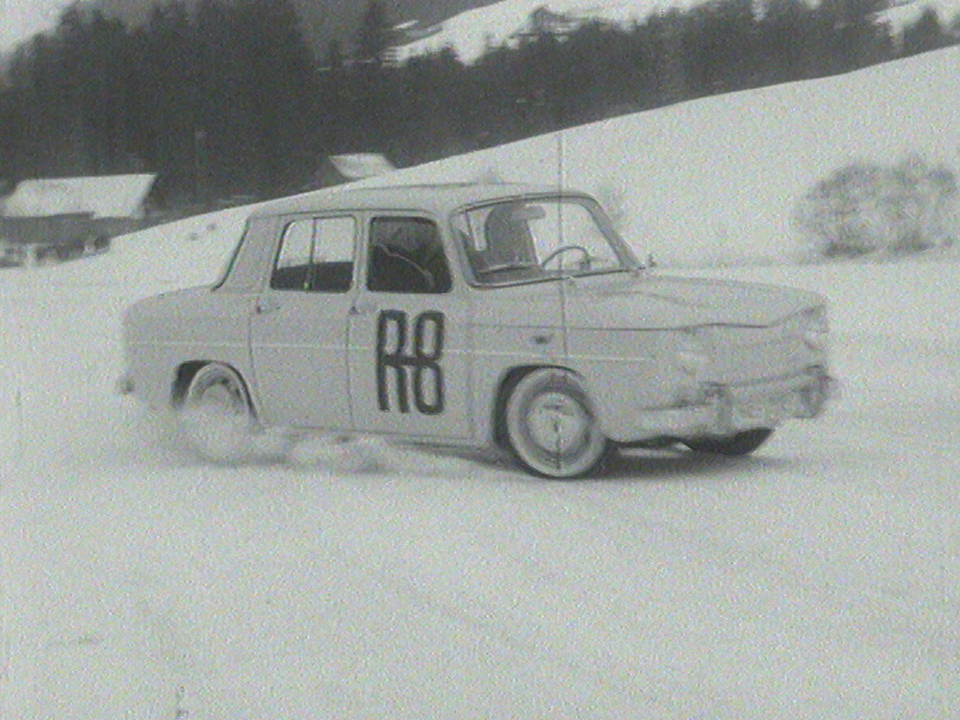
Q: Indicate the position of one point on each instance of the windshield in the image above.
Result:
(537, 239)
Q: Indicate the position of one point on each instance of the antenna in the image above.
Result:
(563, 281)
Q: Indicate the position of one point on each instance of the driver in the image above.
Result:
(509, 240)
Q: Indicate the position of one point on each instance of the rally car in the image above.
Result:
(474, 314)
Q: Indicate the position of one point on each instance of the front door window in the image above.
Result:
(406, 256)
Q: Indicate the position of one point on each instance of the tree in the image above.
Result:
(279, 84)
(786, 38)
(925, 34)
(164, 112)
(849, 36)
(223, 117)
(373, 35)
(722, 52)
(669, 37)
(437, 114)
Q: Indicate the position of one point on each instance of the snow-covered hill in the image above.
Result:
(813, 581)
(22, 19)
(905, 14)
(472, 32)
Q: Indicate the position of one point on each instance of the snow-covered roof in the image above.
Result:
(471, 32)
(361, 165)
(108, 196)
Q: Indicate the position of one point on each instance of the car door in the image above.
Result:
(299, 326)
(409, 334)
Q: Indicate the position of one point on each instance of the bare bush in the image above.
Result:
(869, 208)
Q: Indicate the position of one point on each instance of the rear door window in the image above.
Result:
(316, 255)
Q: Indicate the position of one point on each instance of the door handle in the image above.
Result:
(267, 305)
(363, 307)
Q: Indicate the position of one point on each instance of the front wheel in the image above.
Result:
(216, 415)
(551, 428)
(742, 443)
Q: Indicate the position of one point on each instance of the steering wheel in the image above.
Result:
(563, 249)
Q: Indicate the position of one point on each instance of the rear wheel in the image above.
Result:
(742, 443)
(551, 428)
(216, 415)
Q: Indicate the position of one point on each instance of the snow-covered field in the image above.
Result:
(815, 580)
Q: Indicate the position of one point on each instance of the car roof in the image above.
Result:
(438, 198)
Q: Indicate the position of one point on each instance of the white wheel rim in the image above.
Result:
(552, 429)
(222, 397)
(216, 417)
(558, 424)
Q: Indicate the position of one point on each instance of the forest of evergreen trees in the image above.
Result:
(228, 98)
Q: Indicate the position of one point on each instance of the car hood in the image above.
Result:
(662, 302)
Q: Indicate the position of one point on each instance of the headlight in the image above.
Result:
(812, 326)
(691, 353)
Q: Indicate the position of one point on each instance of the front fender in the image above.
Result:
(628, 372)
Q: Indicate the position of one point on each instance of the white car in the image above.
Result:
(475, 314)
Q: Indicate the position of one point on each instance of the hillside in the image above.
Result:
(472, 31)
(718, 178)
(322, 21)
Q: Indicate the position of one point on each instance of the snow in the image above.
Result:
(472, 32)
(20, 20)
(906, 14)
(108, 196)
(719, 178)
(814, 580)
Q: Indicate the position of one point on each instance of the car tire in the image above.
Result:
(216, 415)
(742, 443)
(551, 428)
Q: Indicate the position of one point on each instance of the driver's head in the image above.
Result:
(508, 236)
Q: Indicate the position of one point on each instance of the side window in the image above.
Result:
(316, 255)
(406, 256)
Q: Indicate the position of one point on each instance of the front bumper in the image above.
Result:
(723, 410)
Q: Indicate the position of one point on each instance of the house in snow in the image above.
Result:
(62, 218)
(339, 169)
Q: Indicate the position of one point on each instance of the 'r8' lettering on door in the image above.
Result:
(416, 369)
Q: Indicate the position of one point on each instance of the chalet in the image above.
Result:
(543, 21)
(62, 218)
(339, 169)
